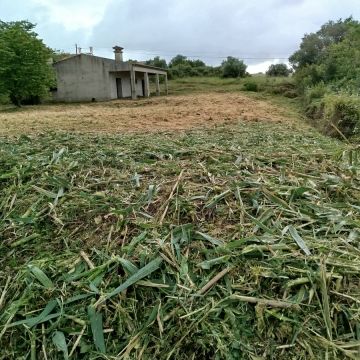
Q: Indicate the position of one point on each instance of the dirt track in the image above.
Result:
(154, 114)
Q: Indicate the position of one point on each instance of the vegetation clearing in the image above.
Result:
(238, 241)
(154, 114)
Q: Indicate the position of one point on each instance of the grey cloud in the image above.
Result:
(216, 28)
(53, 34)
(209, 29)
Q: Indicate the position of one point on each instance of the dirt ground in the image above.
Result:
(154, 114)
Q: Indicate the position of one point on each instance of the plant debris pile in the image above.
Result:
(237, 242)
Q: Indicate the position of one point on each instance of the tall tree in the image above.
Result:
(331, 55)
(24, 70)
(278, 70)
(178, 60)
(233, 67)
(314, 45)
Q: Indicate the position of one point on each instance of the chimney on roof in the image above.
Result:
(118, 50)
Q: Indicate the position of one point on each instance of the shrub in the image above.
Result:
(195, 72)
(286, 89)
(315, 110)
(4, 99)
(278, 70)
(315, 92)
(312, 99)
(279, 86)
(343, 111)
(251, 86)
(233, 68)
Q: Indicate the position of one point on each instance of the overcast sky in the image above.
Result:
(260, 31)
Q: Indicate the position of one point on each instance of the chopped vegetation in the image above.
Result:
(237, 242)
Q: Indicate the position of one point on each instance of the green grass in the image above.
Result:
(238, 242)
(269, 85)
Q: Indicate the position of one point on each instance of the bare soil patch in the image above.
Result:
(154, 114)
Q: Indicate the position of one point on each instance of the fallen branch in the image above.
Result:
(170, 197)
(213, 281)
(272, 303)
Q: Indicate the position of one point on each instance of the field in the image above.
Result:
(212, 225)
(212, 101)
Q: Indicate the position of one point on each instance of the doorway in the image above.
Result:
(143, 87)
(119, 88)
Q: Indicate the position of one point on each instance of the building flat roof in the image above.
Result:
(148, 66)
(134, 63)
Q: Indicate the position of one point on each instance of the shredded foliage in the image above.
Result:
(237, 242)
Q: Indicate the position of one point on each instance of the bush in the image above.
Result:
(315, 92)
(343, 111)
(313, 100)
(279, 86)
(233, 68)
(328, 76)
(308, 76)
(285, 89)
(4, 99)
(278, 70)
(315, 110)
(251, 86)
(181, 67)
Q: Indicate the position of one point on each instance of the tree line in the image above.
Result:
(326, 70)
(232, 67)
(26, 74)
(180, 66)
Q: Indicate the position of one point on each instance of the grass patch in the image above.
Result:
(271, 85)
(237, 242)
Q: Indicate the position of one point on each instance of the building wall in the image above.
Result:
(126, 84)
(139, 88)
(83, 78)
(112, 83)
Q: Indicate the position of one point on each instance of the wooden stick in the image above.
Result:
(213, 281)
(77, 341)
(272, 303)
(2, 297)
(170, 197)
(340, 133)
(87, 260)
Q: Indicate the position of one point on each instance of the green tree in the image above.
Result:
(158, 62)
(327, 73)
(233, 67)
(24, 70)
(178, 60)
(196, 63)
(58, 55)
(180, 66)
(313, 46)
(331, 55)
(341, 64)
(278, 70)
